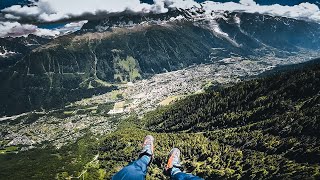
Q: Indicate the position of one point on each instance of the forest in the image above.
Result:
(49, 162)
(265, 128)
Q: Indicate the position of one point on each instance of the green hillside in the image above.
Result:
(260, 129)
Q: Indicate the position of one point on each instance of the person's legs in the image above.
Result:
(173, 167)
(138, 169)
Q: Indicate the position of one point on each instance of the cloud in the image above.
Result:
(182, 4)
(71, 27)
(70, 10)
(55, 10)
(46, 32)
(11, 17)
(306, 11)
(248, 2)
(15, 29)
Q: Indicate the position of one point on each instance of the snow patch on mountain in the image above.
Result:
(4, 53)
(219, 33)
(237, 20)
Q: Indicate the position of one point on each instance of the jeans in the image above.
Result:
(137, 170)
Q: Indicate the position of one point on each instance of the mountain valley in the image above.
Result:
(241, 88)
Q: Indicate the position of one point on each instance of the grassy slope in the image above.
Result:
(261, 129)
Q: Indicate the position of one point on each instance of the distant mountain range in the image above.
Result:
(125, 48)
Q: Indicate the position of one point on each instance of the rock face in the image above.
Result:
(13, 49)
(131, 47)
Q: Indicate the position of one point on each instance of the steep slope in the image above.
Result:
(260, 129)
(13, 49)
(249, 102)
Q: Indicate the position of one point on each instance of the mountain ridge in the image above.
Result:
(127, 54)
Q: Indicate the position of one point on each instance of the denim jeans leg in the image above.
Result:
(136, 170)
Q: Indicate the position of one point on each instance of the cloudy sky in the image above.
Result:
(56, 17)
